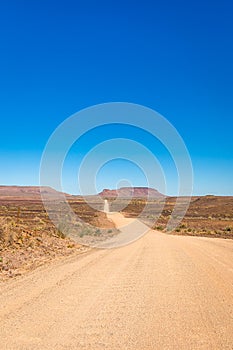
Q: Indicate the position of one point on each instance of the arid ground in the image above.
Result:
(210, 216)
(166, 290)
(28, 238)
(160, 292)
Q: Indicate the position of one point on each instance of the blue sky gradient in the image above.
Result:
(176, 57)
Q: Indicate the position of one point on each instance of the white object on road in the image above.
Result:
(106, 206)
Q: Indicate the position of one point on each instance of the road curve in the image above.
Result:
(160, 292)
(130, 229)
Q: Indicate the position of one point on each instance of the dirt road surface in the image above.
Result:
(106, 206)
(130, 229)
(160, 292)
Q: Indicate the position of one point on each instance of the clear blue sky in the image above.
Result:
(176, 57)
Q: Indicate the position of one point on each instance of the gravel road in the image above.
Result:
(160, 292)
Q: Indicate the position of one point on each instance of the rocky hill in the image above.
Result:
(136, 192)
(25, 192)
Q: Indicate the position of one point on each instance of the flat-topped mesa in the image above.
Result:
(136, 192)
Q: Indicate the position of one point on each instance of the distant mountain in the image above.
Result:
(34, 193)
(136, 192)
(26, 192)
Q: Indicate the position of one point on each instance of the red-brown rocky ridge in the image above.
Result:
(136, 192)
